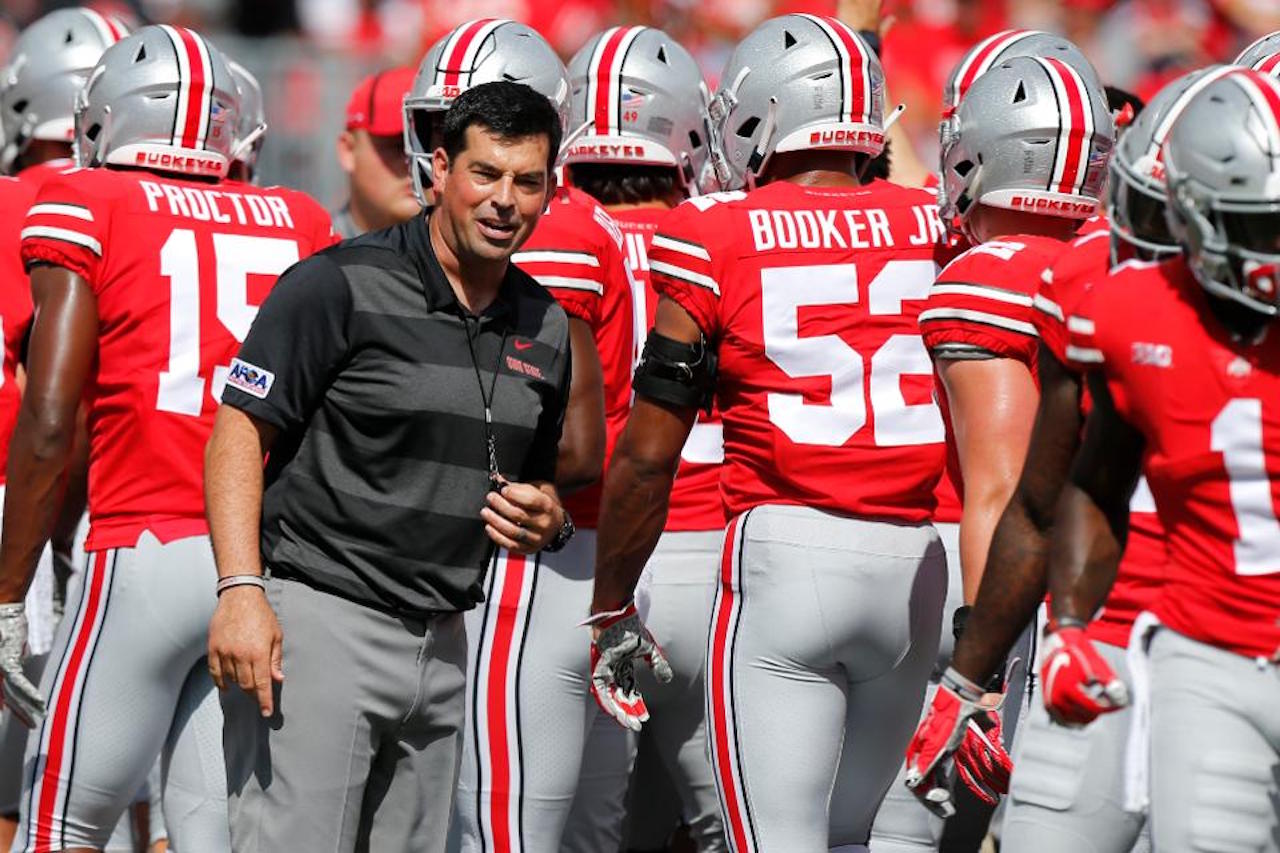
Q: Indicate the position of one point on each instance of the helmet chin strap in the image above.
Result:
(758, 156)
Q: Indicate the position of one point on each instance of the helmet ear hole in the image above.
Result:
(695, 140)
(963, 168)
(748, 127)
(92, 133)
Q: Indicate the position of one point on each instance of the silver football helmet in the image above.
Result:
(796, 82)
(1222, 161)
(1257, 53)
(162, 99)
(50, 62)
(1136, 191)
(1005, 45)
(251, 125)
(480, 51)
(643, 101)
(1032, 134)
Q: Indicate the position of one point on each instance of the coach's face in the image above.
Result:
(493, 192)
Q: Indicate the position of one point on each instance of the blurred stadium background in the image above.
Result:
(309, 54)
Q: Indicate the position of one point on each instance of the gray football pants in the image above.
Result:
(530, 714)
(1215, 749)
(824, 632)
(126, 676)
(672, 747)
(362, 750)
(1067, 793)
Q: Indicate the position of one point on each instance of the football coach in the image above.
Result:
(406, 389)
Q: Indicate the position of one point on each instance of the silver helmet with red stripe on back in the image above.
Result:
(162, 99)
(1032, 134)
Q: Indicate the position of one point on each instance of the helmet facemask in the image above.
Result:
(1137, 211)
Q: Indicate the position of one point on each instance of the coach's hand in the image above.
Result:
(245, 644)
(522, 517)
(619, 638)
(20, 695)
(1079, 685)
(961, 731)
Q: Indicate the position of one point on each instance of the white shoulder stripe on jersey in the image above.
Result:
(691, 249)
(560, 282)
(65, 235)
(1084, 355)
(982, 317)
(75, 211)
(1047, 306)
(1081, 325)
(553, 256)
(685, 275)
(981, 291)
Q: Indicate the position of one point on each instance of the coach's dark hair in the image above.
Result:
(615, 183)
(509, 110)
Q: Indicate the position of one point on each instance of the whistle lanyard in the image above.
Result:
(490, 442)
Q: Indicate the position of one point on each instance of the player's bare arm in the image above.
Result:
(1014, 580)
(60, 355)
(991, 401)
(1093, 512)
(637, 487)
(581, 456)
(244, 635)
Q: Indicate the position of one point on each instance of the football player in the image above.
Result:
(792, 300)
(523, 756)
(644, 101)
(1024, 157)
(1185, 375)
(48, 64)
(144, 274)
(904, 824)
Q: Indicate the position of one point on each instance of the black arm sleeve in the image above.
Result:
(295, 346)
(540, 463)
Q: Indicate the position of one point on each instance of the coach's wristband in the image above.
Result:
(228, 582)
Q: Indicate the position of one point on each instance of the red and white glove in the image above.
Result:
(620, 639)
(961, 732)
(1079, 685)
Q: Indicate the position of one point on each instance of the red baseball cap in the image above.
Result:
(377, 104)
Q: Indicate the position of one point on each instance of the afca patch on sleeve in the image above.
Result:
(250, 379)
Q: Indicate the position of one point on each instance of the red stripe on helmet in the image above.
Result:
(462, 39)
(200, 86)
(607, 51)
(983, 55)
(1268, 64)
(859, 96)
(1078, 138)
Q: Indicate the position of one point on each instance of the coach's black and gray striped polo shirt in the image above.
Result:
(375, 484)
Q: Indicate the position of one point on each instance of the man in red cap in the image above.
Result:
(371, 152)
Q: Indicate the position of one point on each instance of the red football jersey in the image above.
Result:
(1082, 266)
(695, 496)
(576, 254)
(178, 268)
(15, 303)
(811, 296)
(1209, 409)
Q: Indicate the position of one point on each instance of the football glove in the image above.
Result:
(1079, 685)
(20, 695)
(960, 736)
(622, 639)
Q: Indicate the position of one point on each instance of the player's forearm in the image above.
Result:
(580, 456)
(633, 512)
(39, 452)
(1012, 587)
(982, 509)
(1084, 559)
(233, 485)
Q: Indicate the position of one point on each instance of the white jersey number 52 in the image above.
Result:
(236, 256)
(784, 291)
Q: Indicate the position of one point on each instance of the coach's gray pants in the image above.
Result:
(823, 635)
(362, 751)
(1215, 749)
